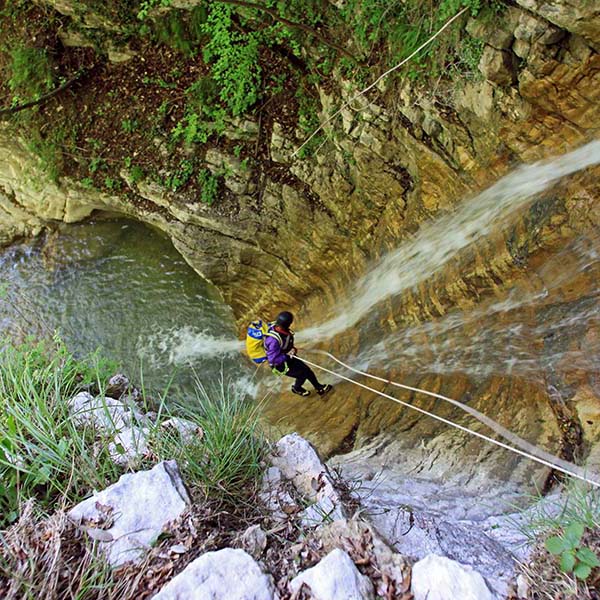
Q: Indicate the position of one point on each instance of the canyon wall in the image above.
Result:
(296, 234)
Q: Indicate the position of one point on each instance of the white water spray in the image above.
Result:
(498, 337)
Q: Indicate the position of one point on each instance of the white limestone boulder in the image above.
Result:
(335, 577)
(254, 541)
(275, 495)
(188, 430)
(117, 419)
(353, 535)
(298, 461)
(439, 578)
(128, 516)
(227, 574)
(129, 445)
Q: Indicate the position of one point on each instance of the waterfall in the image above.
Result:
(426, 253)
(439, 241)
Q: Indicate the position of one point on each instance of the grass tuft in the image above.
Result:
(48, 455)
(43, 455)
(224, 461)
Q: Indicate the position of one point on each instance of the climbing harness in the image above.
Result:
(275, 371)
(532, 452)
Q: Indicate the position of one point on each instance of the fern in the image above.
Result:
(234, 59)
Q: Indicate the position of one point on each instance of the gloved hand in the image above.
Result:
(293, 352)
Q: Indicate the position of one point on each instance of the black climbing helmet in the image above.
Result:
(284, 319)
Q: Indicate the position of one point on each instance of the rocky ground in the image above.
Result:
(309, 531)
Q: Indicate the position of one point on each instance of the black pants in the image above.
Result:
(301, 372)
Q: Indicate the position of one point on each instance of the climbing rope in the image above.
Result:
(532, 452)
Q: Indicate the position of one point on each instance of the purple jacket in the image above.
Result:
(276, 352)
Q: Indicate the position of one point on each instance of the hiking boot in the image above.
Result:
(324, 389)
(300, 391)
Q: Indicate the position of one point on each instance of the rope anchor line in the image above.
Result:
(528, 450)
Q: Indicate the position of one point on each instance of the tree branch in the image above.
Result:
(64, 86)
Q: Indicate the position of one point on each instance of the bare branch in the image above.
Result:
(64, 86)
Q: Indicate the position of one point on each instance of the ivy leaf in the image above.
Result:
(567, 561)
(588, 557)
(555, 545)
(573, 534)
(582, 571)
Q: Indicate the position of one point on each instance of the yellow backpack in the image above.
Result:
(255, 340)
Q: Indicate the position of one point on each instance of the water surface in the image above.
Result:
(120, 287)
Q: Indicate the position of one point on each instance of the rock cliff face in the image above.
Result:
(394, 160)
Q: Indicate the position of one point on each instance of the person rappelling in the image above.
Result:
(274, 342)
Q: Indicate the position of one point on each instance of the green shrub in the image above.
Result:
(234, 59)
(469, 54)
(180, 176)
(203, 115)
(308, 120)
(567, 527)
(129, 125)
(574, 556)
(137, 174)
(209, 184)
(147, 5)
(392, 31)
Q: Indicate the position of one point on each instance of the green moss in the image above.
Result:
(30, 73)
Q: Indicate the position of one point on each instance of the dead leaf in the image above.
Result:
(100, 535)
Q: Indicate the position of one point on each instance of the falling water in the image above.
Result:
(441, 240)
(475, 342)
(498, 337)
